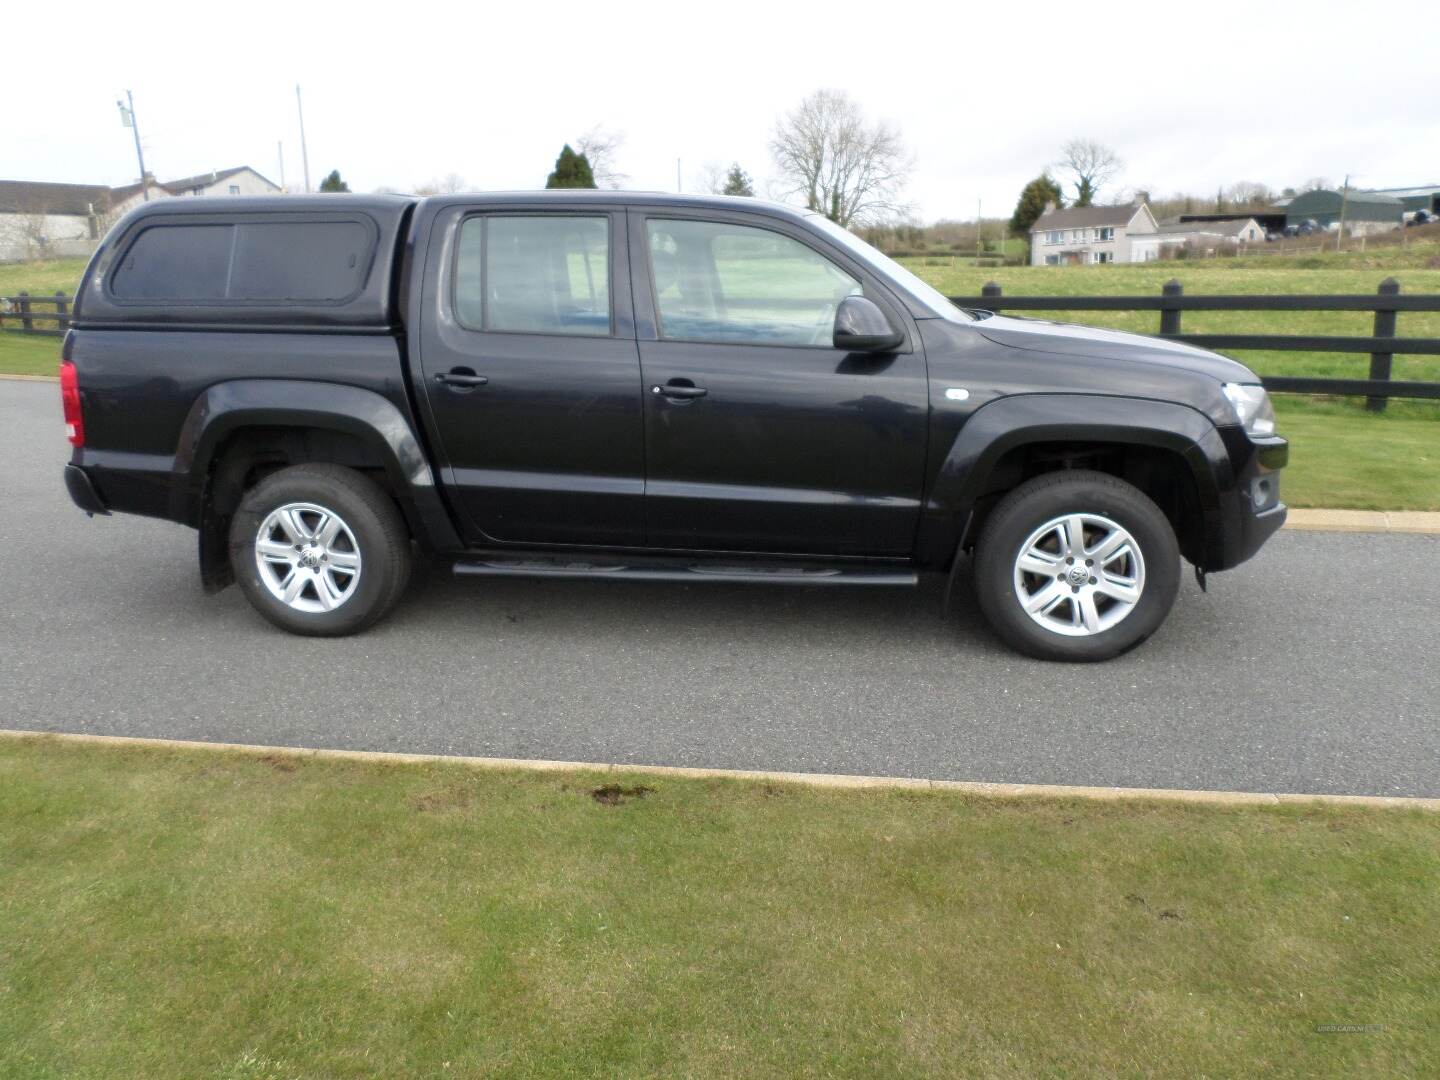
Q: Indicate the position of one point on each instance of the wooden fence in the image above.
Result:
(1382, 344)
(27, 310)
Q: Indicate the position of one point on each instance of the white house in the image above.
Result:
(43, 220)
(1206, 237)
(241, 180)
(1089, 234)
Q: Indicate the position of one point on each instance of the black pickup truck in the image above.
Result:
(644, 386)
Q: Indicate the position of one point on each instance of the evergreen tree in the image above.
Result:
(333, 182)
(1032, 202)
(737, 182)
(572, 170)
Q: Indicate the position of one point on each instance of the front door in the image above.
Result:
(532, 376)
(760, 435)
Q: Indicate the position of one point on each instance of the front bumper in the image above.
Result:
(82, 491)
(1252, 509)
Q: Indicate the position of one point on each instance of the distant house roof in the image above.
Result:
(38, 196)
(1405, 192)
(1225, 227)
(188, 183)
(1085, 217)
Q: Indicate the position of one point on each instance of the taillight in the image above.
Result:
(70, 401)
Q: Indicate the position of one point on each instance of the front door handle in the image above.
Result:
(679, 390)
(462, 378)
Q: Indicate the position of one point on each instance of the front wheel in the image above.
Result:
(1077, 566)
(319, 550)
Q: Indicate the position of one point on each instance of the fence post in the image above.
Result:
(990, 291)
(27, 324)
(1170, 316)
(62, 309)
(1384, 327)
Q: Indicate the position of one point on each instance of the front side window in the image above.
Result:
(534, 274)
(745, 285)
(1105, 234)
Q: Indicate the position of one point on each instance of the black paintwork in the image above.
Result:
(870, 450)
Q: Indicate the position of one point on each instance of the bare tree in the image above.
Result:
(451, 184)
(711, 178)
(850, 171)
(30, 227)
(1248, 194)
(601, 147)
(1090, 165)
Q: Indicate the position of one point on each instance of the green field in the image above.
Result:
(1224, 277)
(173, 913)
(41, 278)
(34, 354)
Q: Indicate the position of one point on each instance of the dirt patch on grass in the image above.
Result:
(434, 802)
(280, 762)
(614, 794)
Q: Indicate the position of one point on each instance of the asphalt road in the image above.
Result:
(1312, 669)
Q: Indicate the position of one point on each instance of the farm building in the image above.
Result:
(1088, 234)
(40, 220)
(1271, 219)
(44, 220)
(1425, 197)
(1364, 211)
(1200, 237)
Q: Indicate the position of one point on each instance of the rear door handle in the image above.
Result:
(467, 379)
(673, 391)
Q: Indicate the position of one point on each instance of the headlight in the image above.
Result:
(1252, 408)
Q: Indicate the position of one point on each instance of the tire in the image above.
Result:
(1084, 612)
(347, 575)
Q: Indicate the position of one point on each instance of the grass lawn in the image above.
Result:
(28, 354)
(169, 913)
(34, 354)
(1346, 458)
(41, 278)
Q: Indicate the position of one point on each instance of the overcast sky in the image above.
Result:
(1191, 95)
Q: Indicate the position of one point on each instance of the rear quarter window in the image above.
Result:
(246, 262)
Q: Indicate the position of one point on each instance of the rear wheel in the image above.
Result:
(1076, 565)
(320, 550)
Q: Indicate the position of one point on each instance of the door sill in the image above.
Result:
(731, 570)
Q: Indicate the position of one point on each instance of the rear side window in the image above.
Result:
(256, 262)
(534, 274)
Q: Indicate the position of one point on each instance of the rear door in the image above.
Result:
(531, 373)
(761, 436)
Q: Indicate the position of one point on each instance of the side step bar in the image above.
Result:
(748, 573)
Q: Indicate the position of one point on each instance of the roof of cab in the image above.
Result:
(382, 205)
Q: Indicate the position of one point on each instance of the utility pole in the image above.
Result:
(979, 228)
(1344, 198)
(127, 117)
(678, 186)
(280, 152)
(304, 150)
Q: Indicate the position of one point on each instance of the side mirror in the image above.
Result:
(860, 326)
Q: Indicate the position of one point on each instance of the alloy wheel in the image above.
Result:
(1079, 574)
(307, 557)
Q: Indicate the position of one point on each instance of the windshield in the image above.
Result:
(931, 297)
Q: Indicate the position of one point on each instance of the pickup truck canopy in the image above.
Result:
(316, 261)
